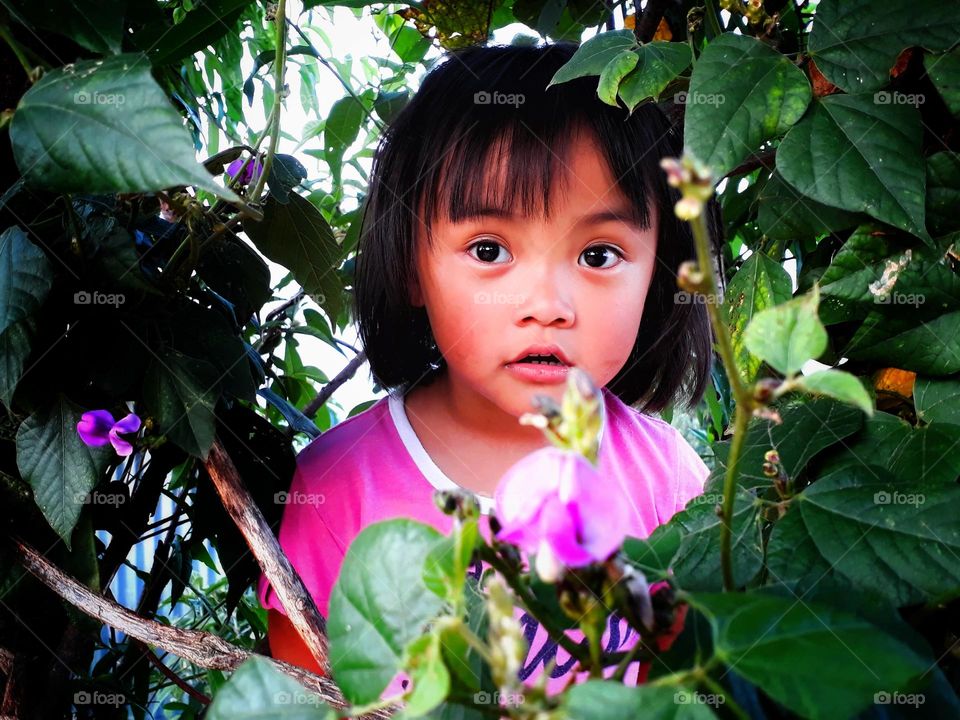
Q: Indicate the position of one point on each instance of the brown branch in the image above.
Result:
(766, 159)
(649, 21)
(331, 387)
(201, 648)
(286, 583)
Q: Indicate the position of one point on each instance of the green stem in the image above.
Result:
(17, 50)
(713, 19)
(743, 396)
(717, 689)
(475, 642)
(279, 65)
(630, 657)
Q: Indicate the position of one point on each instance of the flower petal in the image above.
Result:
(94, 427)
(524, 486)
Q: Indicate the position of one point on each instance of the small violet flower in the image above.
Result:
(251, 173)
(555, 504)
(97, 428)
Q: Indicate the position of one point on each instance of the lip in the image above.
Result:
(544, 350)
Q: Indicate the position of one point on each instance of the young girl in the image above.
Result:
(511, 232)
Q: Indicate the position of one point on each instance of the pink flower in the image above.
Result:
(555, 504)
(97, 428)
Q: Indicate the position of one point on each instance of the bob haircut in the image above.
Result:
(431, 162)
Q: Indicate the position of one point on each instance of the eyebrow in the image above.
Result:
(618, 214)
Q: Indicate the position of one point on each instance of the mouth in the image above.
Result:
(543, 355)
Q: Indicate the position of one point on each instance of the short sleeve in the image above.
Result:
(691, 472)
(315, 549)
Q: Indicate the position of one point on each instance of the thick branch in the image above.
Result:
(286, 583)
(201, 648)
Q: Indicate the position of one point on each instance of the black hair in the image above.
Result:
(430, 163)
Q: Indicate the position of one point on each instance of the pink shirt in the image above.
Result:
(372, 467)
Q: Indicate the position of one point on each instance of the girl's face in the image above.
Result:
(494, 286)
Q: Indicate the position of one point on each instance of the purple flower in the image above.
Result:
(250, 173)
(555, 504)
(97, 428)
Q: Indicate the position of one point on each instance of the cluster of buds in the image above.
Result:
(694, 181)
(462, 504)
(508, 646)
(773, 469)
(574, 424)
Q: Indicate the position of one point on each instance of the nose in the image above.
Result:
(545, 299)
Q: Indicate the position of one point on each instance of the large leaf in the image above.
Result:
(105, 126)
(206, 23)
(180, 393)
(944, 71)
(818, 661)
(785, 214)
(297, 236)
(839, 385)
(943, 192)
(896, 537)
(60, 468)
(937, 399)
(806, 429)
(234, 270)
(697, 562)
(259, 690)
(658, 64)
(595, 54)
(856, 42)
(379, 605)
(852, 153)
(760, 283)
(788, 335)
(25, 281)
(95, 26)
(741, 93)
(605, 700)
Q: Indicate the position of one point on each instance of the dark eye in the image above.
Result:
(600, 256)
(487, 251)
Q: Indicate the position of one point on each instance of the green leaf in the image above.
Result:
(852, 153)
(760, 283)
(944, 72)
(594, 55)
(445, 569)
(741, 94)
(937, 399)
(259, 690)
(97, 27)
(286, 172)
(855, 43)
(653, 555)
(818, 661)
(231, 268)
(206, 23)
(697, 562)
(794, 560)
(57, 464)
(611, 75)
(943, 192)
(840, 385)
(431, 679)
(180, 392)
(788, 335)
(807, 428)
(378, 605)
(659, 63)
(105, 126)
(297, 236)
(785, 214)
(340, 130)
(608, 700)
(896, 537)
